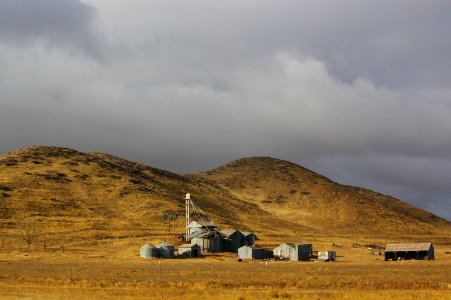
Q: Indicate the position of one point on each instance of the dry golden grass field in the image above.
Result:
(82, 274)
(101, 209)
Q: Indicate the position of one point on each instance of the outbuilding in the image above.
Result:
(189, 250)
(327, 255)
(293, 251)
(232, 240)
(250, 252)
(165, 250)
(148, 251)
(409, 251)
(210, 241)
(249, 238)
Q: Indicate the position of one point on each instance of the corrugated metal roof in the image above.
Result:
(188, 246)
(291, 245)
(195, 234)
(228, 233)
(200, 234)
(408, 247)
(164, 244)
(247, 233)
(196, 224)
(148, 246)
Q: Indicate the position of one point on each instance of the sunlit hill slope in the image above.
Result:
(87, 198)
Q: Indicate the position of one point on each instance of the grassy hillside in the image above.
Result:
(85, 198)
(301, 196)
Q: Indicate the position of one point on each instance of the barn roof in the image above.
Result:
(247, 233)
(292, 245)
(408, 247)
(228, 233)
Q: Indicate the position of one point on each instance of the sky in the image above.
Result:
(356, 90)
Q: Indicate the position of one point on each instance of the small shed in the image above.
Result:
(249, 238)
(409, 251)
(189, 250)
(249, 252)
(165, 250)
(148, 251)
(327, 255)
(293, 251)
(210, 241)
(233, 239)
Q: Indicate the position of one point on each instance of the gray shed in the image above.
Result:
(293, 251)
(210, 241)
(189, 250)
(249, 238)
(409, 251)
(233, 239)
(148, 251)
(165, 250)
(249, 252)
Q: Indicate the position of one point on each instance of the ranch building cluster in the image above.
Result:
(204, 236)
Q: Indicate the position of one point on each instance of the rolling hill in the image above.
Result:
(85, 198)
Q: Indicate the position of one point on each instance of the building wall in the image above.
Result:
(395, 255)
(296, 253)
(185, 252)
(190, 252)
(258, 253)
(304, 251)
(249, 240)
(201, 242)
(245, 253)
(282, 252)
(166, 252)
(431, 254)
(148, 252)
(211, 244)
(234, 242)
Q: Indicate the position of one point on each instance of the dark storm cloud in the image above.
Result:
(55, 23)
(356, 90)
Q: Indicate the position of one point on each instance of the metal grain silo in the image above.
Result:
(165, 250)
(148, 251)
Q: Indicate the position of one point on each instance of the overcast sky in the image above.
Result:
(359, 91)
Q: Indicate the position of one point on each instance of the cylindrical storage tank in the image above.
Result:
(165, 250)
(148, 251)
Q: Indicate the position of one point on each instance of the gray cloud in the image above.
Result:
(357, 91)
(53, 23)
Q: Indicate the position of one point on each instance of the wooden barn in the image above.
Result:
(409, 251)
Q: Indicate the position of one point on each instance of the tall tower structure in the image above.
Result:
(187, 215)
